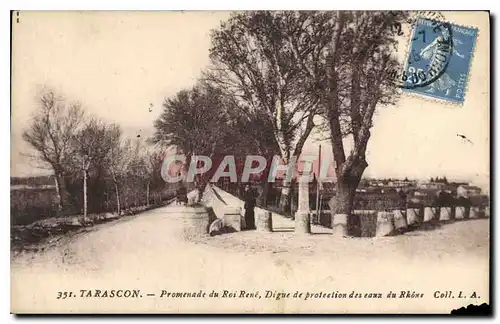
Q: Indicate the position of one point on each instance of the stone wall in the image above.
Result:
(363, 223)
(225, 206)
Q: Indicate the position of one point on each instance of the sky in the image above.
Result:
(118, 64)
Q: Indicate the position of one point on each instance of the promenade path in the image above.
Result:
(148, 252)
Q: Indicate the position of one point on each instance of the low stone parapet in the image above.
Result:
(400, 222)
(462, 212)
(264, 221)
(446, 214)
(302, 223)
(385, 224)
(414, 215)
(431, 214)
(339, 225)
(232, 218)
(477, 212)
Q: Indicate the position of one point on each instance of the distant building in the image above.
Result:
(467, 191)
(453, 186)
(388, 190)
(402, 183)
(431, 185)
(374, 190)
(457, 184)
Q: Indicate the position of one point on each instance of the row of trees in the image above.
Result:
(438, 179)
(94, 165)
(275, 77)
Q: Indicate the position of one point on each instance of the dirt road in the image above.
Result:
(147, 253)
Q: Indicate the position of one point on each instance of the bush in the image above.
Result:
(480, 201)
(30, 205)
(463, 202)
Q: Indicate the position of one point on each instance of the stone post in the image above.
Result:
(303, 214)
(196, 221)
(339, 225)
(385, 224)
(400, 223)
(477, 212)
(446, 214)
(232, 218)
(264, 221)
(413, 215)
(461, 212)
(431, 214)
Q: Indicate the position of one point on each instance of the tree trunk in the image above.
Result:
(61, 192)
(346, 186)
(147, 193)
(285, 198)
(84, 193)
(59, 201)
(117, 191)
(344, 198)
(343, 201)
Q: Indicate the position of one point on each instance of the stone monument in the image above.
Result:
(303, 213)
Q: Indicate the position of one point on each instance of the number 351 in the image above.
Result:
(64, 294)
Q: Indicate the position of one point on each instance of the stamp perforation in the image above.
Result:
(434, 98)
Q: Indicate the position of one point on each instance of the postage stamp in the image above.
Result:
(438, 60)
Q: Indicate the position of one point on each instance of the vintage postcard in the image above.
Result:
(254, 162)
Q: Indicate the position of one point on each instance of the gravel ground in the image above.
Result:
(149, 252)
(470, 237)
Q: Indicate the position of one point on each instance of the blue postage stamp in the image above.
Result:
(438, 60)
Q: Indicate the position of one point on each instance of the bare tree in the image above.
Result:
(357, 58)
(196, 122)
(118, 159)
(91, 146)
(154, 164)
(262, 58)
(254, 139)
(144, 162)
(50, 134)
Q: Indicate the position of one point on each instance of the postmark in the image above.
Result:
(438, 60)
